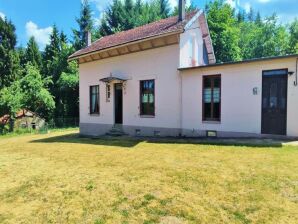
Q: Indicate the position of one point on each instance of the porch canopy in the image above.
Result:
(112, 78)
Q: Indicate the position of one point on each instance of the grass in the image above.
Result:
(60, 178)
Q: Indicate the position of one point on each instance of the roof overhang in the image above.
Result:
(147, 43)
(113, 78)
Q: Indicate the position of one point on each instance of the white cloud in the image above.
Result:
(247, 7)
(2, 15)
(231, 3)
(101, 4)
(41, 35)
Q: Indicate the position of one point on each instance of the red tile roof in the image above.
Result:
(157, 28)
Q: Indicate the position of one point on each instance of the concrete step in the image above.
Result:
(116, 131)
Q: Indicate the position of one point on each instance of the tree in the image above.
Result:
(128, 14)
(164, 8)
(30, 92)
(85, 23)
(32, 53)
(52, 50)
(9, 59)
(113, 20)
(293, 41)
(68, 85)
(224, 31)
(189, 8)
(271, 39)
(251, 15)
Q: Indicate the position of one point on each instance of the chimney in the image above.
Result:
(181, 10)
(88, 38)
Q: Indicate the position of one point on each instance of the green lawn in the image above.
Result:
(60, 178)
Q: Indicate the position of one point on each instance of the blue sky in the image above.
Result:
(36, 17)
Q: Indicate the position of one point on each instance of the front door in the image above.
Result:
(274, 102)
(118, 104)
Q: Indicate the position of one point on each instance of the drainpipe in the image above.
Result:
(296, 75)
(181, 105)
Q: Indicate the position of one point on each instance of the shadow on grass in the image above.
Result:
(129, 142)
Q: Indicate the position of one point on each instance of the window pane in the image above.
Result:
(211, 97)
(207, 110)
(147, 97)
(207, 82)
(216, 95)
(94, 99)
(216, 111)
(273, 95)
(276, 72)
(216, 82)
(207, 95)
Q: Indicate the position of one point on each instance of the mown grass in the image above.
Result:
(60, 178)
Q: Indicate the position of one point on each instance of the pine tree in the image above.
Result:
(164, 8)
(130, 17)
(258, 19)
(251, 15)
(9, 59)
(32, 53)
(53, 48)
(85, 23)
(128, 14)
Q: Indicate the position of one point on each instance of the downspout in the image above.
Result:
(181, 105)
(296, 75)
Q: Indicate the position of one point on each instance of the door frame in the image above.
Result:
(115, 95)
(286, 112)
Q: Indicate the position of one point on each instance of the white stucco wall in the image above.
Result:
(240, 109)
(191, 45)
(160, 64)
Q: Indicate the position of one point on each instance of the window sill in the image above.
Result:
(211, 122)
(94, 115)
(147, 116)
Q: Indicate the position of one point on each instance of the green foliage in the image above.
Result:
(128, 14)
(263, 38)
(32, 53)
(293, 40)
(224, 31)
(30, 92)
(63, 74)
(9, 59)
(85, 23)
(189, 8)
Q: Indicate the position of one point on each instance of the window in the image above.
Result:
(94, 99)
(108, 92)
(147, 98)
(211, 98)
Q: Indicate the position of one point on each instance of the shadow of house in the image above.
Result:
(129, 142)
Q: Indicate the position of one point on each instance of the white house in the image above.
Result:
(162, 79)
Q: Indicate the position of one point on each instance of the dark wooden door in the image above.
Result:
(274, 102)
(118, 104)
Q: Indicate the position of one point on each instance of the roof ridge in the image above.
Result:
(155, 28)
(138, 27)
